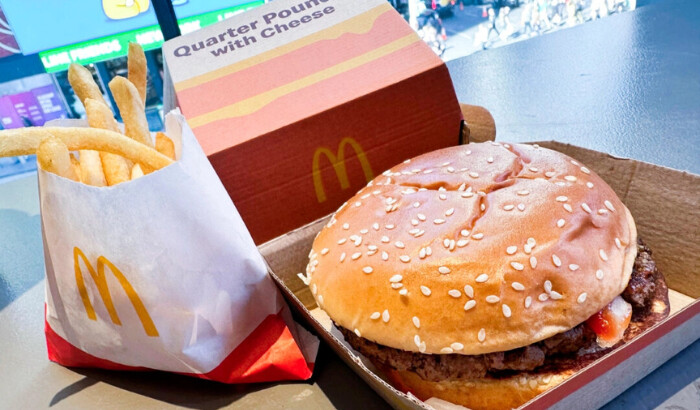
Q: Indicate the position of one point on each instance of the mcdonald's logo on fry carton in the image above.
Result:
(298, 103)
(338, 161)
(100, 281)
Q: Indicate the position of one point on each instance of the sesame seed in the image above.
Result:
(533, 169)
(405, 258)
(375, 226)
(416, 204)
(414, 222)
(342, 256)
(585, 170)
(346, 226)
(574, 162)
(574, 267)
(375, 315)
(528, 302)
(358, 241)
(462, 243)
(416, 322)
(570, 178)
(357, 332)
(446, 350)
(464, 232)
(506, 310)
(444, 270)
(533, 262)
(421, 254)
(399, 244)
(425, 290)
(603, 255)
(457, 346)
(482, 207)
(416, 340)
(547, 286)
(568, 208)
(531, 241)
(482, 278)
(602, 211)
(364, 231)
(314, 288)
(396, 278)
(403, 292)
(438, 221)
(385, 316)
(414, 231)
(492, 299)
(489, 160)
(450, 169)
(518, 286)
(468, 152)
(385, 256)
(482, 335)
(421, 217)
(446, 243)
(609, 205)
(599, 274)
(390, 226)
(442, 197)
(532, 383)
(422, 347)
(470, 304)
(303, 278)
(342, 241)
(474, 174)
(562, 199)
(589, 185)
(586, 207)
(560, 183)
(556, 261)
(428, 250)
(511, 250)
(449, 212)
(385, 239)
(469, 291)
(478, 236)
(367, 269)
(454, 293)
(517, 266)
(508, 207)
(550, 174)
(356, 255)
(561, 223)
(543, 297)
(523, 192)
(618, 243)
(555, 295)
(521, 207)
(320, 300)
(582, 297)
(419, 233)
(365, 196)
(396, 285)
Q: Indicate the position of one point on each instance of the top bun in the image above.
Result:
(474, 249)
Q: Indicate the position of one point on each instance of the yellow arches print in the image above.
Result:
(338, 162)
(100, 281)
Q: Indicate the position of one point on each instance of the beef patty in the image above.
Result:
(646, 292)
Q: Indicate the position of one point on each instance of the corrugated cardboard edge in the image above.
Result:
(604, 379)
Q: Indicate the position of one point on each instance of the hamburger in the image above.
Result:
(485, 274)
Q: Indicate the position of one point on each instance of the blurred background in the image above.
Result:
(37, 44)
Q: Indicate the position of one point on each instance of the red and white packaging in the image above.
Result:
(161, 273)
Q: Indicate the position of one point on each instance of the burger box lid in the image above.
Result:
(666, 208)
(299, 103)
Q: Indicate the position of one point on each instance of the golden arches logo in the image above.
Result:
(100, 280)
(338, 162)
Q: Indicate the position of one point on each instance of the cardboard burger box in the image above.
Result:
(664, 203)
(299, 103)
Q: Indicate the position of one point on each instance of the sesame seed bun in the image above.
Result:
(474, 249)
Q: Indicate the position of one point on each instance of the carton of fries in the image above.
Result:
(148, 263)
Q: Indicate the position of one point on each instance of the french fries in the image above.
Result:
(83, 84)
(106, 156)
(165, 145)
(52, 155)
(138, 71)
(131, 109)
(24, 141)
(116, 168)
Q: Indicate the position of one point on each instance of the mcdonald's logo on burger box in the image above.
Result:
(298, 104)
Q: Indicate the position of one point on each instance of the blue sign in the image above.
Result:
(41, 25)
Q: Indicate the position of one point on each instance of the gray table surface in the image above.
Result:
(628, 85)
